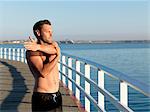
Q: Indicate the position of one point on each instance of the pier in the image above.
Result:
(16, 84)
(76, 79)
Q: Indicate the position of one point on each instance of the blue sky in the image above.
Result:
(77, 20)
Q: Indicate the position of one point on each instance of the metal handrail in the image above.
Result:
(139, 86)
(112, 98)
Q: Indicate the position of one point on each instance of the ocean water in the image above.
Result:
(132, 59)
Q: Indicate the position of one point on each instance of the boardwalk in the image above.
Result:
(16, 83)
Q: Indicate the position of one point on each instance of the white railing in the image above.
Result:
(16, 54)
(66, 75)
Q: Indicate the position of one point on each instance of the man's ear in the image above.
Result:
(38, 33)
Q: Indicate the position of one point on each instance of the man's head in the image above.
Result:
(43, 31)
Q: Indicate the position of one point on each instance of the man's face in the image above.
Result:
(46, 33)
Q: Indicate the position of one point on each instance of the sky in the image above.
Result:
(77, 19)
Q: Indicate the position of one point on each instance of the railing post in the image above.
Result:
(87, 87)
(101, 101)
(5, 53)
(78, 79)
(9, 53)
(13, 54)
(22, 55)
(124, 93)
(70, 73)
(25, 61)
(18, 54)
(64, 69)
(59, 70)
(1, 51)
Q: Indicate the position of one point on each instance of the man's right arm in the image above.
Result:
(43, 69)
(52, 63)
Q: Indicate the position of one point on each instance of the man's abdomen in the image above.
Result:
(49, 84)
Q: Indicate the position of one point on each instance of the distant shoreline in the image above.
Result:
(103, 42)
(83, 41)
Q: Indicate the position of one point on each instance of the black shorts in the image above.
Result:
(49, 102)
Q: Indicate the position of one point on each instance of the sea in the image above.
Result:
(132, 59)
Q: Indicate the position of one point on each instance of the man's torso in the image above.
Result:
(48, 84)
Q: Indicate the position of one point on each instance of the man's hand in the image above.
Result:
(32, 45)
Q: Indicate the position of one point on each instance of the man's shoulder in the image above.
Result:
(55, 43)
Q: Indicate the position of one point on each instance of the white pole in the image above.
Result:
(78, 80)
(9, 53)
(87, 87)
(5, 53)
(59, 70)
(124, 93)
(1, 52)
(70, 74)
(101, 101)
(13, 53)
(22, 55)
(25, 61)
(64, 69)
(18, 54)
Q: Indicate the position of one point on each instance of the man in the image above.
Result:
(42, 58)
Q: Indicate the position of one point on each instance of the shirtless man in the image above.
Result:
(42, 58)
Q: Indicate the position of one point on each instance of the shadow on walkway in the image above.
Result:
(18, 91)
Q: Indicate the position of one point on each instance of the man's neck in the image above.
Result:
(42, 42)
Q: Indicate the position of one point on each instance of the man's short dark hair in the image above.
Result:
(38, 25)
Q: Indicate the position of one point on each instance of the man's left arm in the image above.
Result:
(48, 49)
(33, 46)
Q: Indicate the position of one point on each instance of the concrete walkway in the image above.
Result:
(16, 83)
